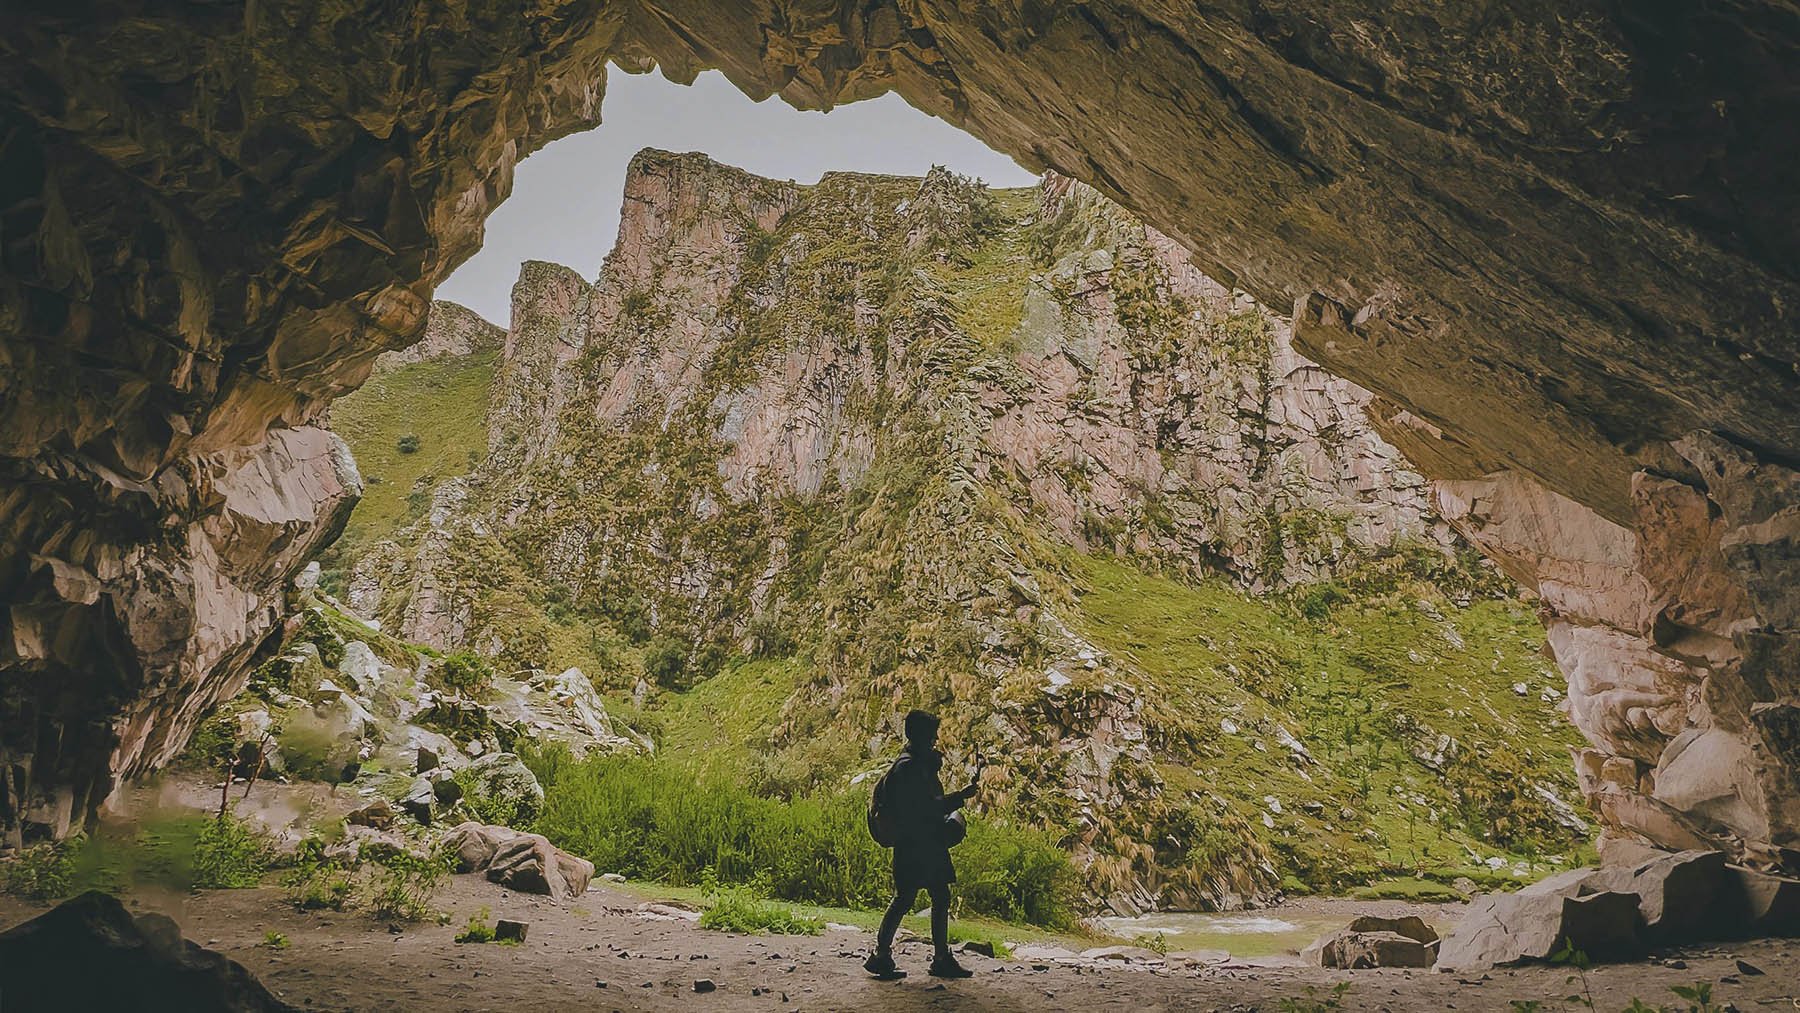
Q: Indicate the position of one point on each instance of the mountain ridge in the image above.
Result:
(895, 429)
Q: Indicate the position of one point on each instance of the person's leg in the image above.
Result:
(890, 921)
(940, 920)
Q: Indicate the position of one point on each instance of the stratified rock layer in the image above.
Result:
(1558, 236)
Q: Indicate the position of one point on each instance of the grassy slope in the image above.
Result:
(441, 401)
(1210, 654)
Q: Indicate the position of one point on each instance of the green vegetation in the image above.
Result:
(275, 940)
(43, 871)
(384, 881)
(175, 851)
(1372, 694)
(739, 909)
(462, 672)
(400, 460)
(477, 930)
(228, 854)
(655, 820)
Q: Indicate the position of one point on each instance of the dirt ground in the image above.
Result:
(604, 953)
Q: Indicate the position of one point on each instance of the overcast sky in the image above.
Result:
(565, 201)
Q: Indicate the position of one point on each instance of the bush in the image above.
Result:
(404, 884)
(316, 881)
(739, 909)
(387, 882)
(42, 871)
(463, 672)
(408, 444)
(1016, 874)
(229, 855)
(666, 662)
(311, 751)
(649, 819)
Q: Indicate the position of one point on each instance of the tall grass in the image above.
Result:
(652, 819)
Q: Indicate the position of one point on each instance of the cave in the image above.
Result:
(1556, 240)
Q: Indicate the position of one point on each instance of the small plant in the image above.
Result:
(477, 930)
(1569, 956)
(739, 909)
(229, 855)
(275, 940)
(42, 871)
(1158, 943)
(404, 884)
(316, 881)
(408, 444)
(1312, 1003)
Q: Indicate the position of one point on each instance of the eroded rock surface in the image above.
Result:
(1557, 237)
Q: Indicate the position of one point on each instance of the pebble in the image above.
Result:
(704, 985)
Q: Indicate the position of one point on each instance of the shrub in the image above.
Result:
(739, 909)
(42, 871)
(1016, 874)
(666, 662)
(499, 810)
(229, 855)
(404, 884)
(316, 881)
(408, 444)
(311, 751)
(649, 819)
(463, 672)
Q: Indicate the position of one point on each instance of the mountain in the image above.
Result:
(804, 457)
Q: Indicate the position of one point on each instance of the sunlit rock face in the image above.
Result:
(1558, 238)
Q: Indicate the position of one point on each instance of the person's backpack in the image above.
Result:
(881, 816)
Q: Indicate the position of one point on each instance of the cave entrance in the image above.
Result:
(798, 457)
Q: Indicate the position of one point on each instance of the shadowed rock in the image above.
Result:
(89, 953)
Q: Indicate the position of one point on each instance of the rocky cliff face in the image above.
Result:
(1100, 383)
(883, 426)
(151, 616)
(1540, 230)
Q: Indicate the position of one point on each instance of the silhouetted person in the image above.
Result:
(917, 810)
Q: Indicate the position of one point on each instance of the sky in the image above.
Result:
(565, 202)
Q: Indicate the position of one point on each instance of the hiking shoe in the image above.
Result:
(881, 965)
(947, 967)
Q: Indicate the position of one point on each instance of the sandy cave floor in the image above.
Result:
(603, 953)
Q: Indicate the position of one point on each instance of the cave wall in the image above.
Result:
(1557, 237)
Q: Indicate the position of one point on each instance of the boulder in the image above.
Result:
(503, 777)
(420, 800)
(506, 930)
(89, 953)
(1411, 926)
(427, 759)
(1769, 905)
(377, 814)
(529, 863)
(1512, 928)
(1678, 893)
(474, 844)
(361, 667)
(1353, 950)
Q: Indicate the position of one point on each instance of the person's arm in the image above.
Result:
(956, 800)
